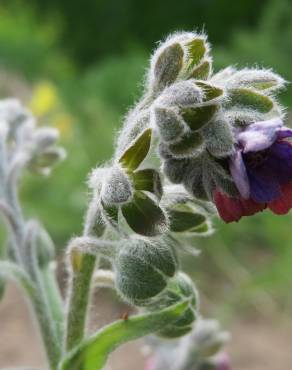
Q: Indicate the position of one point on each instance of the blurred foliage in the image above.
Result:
(82, 65)
(29, 46)
(118, 24)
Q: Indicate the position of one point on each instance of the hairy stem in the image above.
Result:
(80, 289)
(26, 258)
(79, 300)
(54, 300)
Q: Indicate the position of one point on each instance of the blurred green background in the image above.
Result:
(79, 66)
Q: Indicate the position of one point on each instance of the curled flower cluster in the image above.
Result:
(196, 141)
(221, 134)
(27, 145)
(218, 138)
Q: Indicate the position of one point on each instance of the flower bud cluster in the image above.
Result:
(196, 113)
(27, 145)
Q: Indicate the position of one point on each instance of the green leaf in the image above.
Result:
(202, 72)
(190, 145)
(148, 180)
(168, 65)
(144, 216)
(210, 92)
(250, 99)
(93, 352)
(196, 51)
(183, 221)
(198, 117)
(137, 151)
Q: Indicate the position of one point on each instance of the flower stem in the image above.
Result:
(79, 300)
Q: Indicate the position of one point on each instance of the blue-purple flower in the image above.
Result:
(261, 167)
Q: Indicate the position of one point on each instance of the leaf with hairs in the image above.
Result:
(93, 352)
(137, 151)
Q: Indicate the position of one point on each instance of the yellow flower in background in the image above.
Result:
(46, 102)
(45, 99)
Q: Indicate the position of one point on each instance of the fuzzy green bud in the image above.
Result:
(116, 187)
(170, 125)
(166, 65)
(143, 269)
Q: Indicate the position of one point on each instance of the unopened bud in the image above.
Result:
(218, 138)
(182, 94)
(208, 338)
(116, 187)
(175, 169)
(45, 137)
(166, 65)
(43, 162)
(143, 269)
(169, 123)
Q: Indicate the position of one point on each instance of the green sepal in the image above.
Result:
(190, 145)
(137, 151)
(181, 221)
(250, 99)
(198, 117)
(210, 92)
(92, 353)
(144, 216)
(196, 51)
(148, 180)
(202, 71)
(168, 65)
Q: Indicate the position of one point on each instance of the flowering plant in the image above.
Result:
(196, 141)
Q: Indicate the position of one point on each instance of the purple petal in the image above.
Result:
(263, 187)
(279, 161)
(259, 135)
(284, 133)
(239, 175)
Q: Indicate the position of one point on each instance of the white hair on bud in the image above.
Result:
(168, 122)
(182, 94)
(181, 38)
(116, 186)
(222, 76)
(219, 138)
(263, 79)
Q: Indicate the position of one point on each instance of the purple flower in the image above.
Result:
(261, 167)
